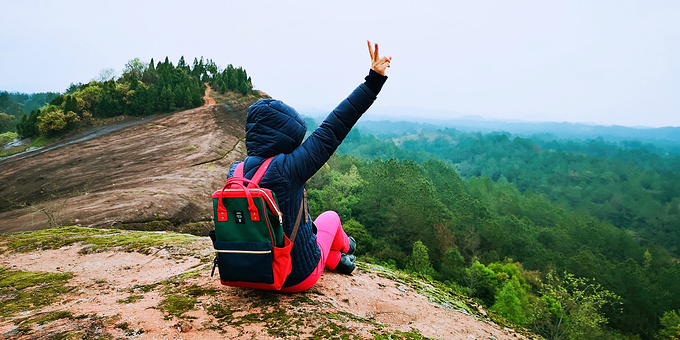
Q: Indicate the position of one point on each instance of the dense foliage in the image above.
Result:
(15, 105)
(143, 89)
(633, 186)
(561, 273)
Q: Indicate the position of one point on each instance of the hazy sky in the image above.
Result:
(606, 62)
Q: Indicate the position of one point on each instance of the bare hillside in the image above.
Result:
(151, 175)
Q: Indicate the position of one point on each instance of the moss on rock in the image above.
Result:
(23, 291)
(93, 240)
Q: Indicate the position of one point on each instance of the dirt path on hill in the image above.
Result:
(207, 99)
(124, 295)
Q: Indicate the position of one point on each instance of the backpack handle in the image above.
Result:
(222, 210)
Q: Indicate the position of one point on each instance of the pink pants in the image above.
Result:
(332, 241)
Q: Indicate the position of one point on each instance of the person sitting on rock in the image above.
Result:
(274, 129)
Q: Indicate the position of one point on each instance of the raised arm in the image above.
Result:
(309, 157)
(378, 64)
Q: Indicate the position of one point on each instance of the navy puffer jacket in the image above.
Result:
(274, 129)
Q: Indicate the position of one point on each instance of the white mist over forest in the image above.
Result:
(605, 62)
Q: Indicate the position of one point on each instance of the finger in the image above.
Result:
(376, 56)
(370, 49)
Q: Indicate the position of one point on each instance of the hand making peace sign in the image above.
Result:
(378, 64)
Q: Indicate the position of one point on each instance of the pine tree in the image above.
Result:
(419, 261)
(150, 75)
(670, 322)
(509, 304)
(165, 100)
(182, 64)
(138, 101)
(180, 96)
(453, 266)
(70, 103)
(28, 127)
(189, 102)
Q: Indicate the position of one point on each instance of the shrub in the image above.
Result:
(54, 121)
(7, 122)
(7, 137)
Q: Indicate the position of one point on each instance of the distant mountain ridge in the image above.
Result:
(380, 122)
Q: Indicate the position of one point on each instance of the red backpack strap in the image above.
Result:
(260, 172)
(238, 172)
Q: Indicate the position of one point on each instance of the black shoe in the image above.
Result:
(346, 264)
(352, 246)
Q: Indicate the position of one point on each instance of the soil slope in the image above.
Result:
(163, 290)
(161, 170)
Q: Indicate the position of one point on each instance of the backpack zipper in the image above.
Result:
(228, 251)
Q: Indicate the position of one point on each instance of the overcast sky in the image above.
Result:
(606, 62)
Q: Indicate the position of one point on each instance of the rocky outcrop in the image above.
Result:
(148, 285)
(156, 174)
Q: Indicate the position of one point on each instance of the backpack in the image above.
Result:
(252, 248)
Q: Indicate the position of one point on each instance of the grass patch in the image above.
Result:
(73, 336)
(132, 298)
(279, 323)
(302, 300)
(13, 151)
(189, 275)
(331, 330)
(22, 291)
(44, 318)
(413, 334)
(262, 298)
(436, 292)
(94, 240)
(274, 318)
(345, 316)
(9, 136)
(127, 330)
(176, 305)
(47, 238)
(137, 293)
(193, 228)
(219, 311)
(196, 290)
(180, 298)
(144, 288)
(42, 141)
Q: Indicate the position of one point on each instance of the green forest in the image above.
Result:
(142, 89)
(571, 239)
(634, 186)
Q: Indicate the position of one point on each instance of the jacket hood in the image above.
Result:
(273, 127)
